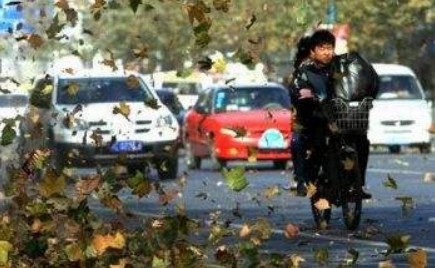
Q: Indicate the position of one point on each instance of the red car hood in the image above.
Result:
(255, 120)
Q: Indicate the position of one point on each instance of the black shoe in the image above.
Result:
(301, 189)
(364, 195)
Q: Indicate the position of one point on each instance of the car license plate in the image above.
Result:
(126, 146)
(271, 139)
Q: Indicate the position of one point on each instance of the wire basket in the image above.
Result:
(348, 116)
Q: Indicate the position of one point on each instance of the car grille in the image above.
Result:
(398, 122)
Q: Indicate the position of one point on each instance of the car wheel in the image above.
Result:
(394, 149)
(279, 164)
(425, 148)
(193, 162)
(167, 168)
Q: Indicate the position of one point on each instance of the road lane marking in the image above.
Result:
(301, 234)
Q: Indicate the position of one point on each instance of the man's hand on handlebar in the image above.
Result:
(306, 93)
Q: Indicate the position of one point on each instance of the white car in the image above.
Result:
(102, 117)
(401, 114)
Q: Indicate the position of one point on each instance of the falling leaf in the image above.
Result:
(55, 27)
(71, 16)
(121, 264)
(5, 248)
(153, 103)
(98, 4)
(271, 192)
(216, 233)
(36, 226)
(88, 185)
(123, 109)
(141, 51)
(235, 178)
(291, 231)
(8, 135)
(407, 203)
(322, 204)
(311, 190)
(348, 164)
(390, 182)
(398, 243)
(386, 264)
(205, 64)
(252, 154)
(35, 41)
(74, 252)
(139, 184)
(110, 61)
(52, 184)
(102, 242)
(133, 82)
(73, 89)
(222, 5)
(245, 231)
(62, 4)
(429, 177)
(134, 4)
(166, 197)
(321, 255)
(417, 259)
(295, 261)
(219, 66)
(263, 227)
(251, 22)
(351, 258)
(203, 196)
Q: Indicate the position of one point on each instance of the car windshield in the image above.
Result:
(251, 98)
(9, 100)
(100, 90)
(399, 87)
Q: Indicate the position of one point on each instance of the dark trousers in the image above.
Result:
(308, 149)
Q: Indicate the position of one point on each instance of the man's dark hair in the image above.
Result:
(303, 51)
(321, 37)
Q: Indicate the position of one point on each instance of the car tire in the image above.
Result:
(425, 148)
(394, 149)
(193, 162)
(167, 168)
(279, 164)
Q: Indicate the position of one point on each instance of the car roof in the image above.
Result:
(92, 73)
(392, 69)
(248, 85)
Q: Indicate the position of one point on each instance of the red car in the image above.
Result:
(249, 122)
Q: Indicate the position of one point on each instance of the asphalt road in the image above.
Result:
(206, 192)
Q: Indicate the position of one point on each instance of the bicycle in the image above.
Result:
(340, 179)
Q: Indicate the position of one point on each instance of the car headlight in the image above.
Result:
(165, 121)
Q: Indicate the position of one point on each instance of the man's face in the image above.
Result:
(323, 54)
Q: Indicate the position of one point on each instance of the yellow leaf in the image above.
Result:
(418, 259)
(102, 242)
(35, 41)
(263, 228)
(122, 263)
(123, 109)
(386, 264)
(73, 89)
(133, 82)
(36, 226)
(311, 190)
(245, 231)
(52, 184)
(5, 248)
(252, 154)
(348, 164)
(271, 192)
(322, 204)
(296, 260)
(219, 66)
(291, 230)
(74, 252)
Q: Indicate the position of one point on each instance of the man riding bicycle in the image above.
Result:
(313, 81)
